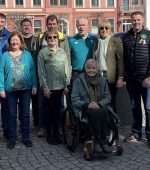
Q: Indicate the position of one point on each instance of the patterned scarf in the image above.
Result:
(93, 87)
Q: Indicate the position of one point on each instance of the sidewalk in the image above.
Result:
(42, 156)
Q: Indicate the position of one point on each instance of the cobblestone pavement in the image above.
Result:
(42, 156)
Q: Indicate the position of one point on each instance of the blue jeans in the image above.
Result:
(4, 113)
(136, 91)
(24, 102)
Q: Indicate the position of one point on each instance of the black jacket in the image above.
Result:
(137, 54)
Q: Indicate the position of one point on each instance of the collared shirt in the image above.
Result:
(81, 50)
(53, 69)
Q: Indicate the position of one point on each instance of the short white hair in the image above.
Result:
(82, 19)
(91, 62)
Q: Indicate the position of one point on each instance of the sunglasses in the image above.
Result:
(102, 28)
(50, 37)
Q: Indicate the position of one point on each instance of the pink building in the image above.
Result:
(116, 11)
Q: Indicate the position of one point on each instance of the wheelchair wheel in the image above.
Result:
(70, 129)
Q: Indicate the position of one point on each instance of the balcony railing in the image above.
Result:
(124, 8)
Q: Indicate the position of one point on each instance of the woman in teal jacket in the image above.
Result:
(17, 80)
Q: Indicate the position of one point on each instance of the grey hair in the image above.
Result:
(81, 19)
(91, 61)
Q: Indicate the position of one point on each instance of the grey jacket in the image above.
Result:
(80, 94)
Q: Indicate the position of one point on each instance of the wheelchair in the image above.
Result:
(75, 130)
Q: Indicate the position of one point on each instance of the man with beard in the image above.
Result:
(30, 41)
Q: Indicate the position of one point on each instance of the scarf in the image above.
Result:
(93, 87)
(101, 52)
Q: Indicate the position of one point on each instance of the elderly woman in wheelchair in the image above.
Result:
(90, 100)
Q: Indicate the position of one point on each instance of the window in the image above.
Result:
(95, 2)
(112, 24)
(37, 2)
(79, 2)
(19, 2)
(63, 2)
(95, 25)
(2, 2)
(110, 2)
(37, 26)
(54, 2)
(134, 2)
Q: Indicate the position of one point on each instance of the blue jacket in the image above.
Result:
(6, 71)
(5, 34)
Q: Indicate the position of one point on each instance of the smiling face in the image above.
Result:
(91, 69)
(15, 42)
(52, 24)
(52, 39)
(2, 23)
(26, 28)
(137, 22)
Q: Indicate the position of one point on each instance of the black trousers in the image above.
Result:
(99, 121)
(53, 114)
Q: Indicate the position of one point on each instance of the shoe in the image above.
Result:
(58, 140)
(97, 148)
(51, 140)
(28, 143)
(41, 132)
(11, 145)
(130, 138)
(6, 133)
(148, 144)
(105, 147)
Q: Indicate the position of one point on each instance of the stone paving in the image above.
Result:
(43, 156)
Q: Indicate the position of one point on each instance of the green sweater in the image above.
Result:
(53, 69)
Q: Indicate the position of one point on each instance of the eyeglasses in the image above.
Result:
(102, 28)
(54, 37)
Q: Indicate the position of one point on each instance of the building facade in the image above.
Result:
(116, 11)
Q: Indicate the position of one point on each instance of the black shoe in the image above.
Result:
(28, 143)
(104, 145)
(58, 139)
(11, 145)
(6, 133)
(51, 140)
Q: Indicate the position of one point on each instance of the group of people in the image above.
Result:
(88, 69)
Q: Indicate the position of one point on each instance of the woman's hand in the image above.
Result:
(3, 94)
(47, 92)
(65, 91)
(34, 91)
(93, 105)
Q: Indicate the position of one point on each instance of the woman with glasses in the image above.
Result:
(53, 71)
(109, 54)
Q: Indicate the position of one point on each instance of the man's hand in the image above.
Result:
(119, 83)
(146, 83)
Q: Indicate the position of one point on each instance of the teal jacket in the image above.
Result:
(6, 71)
